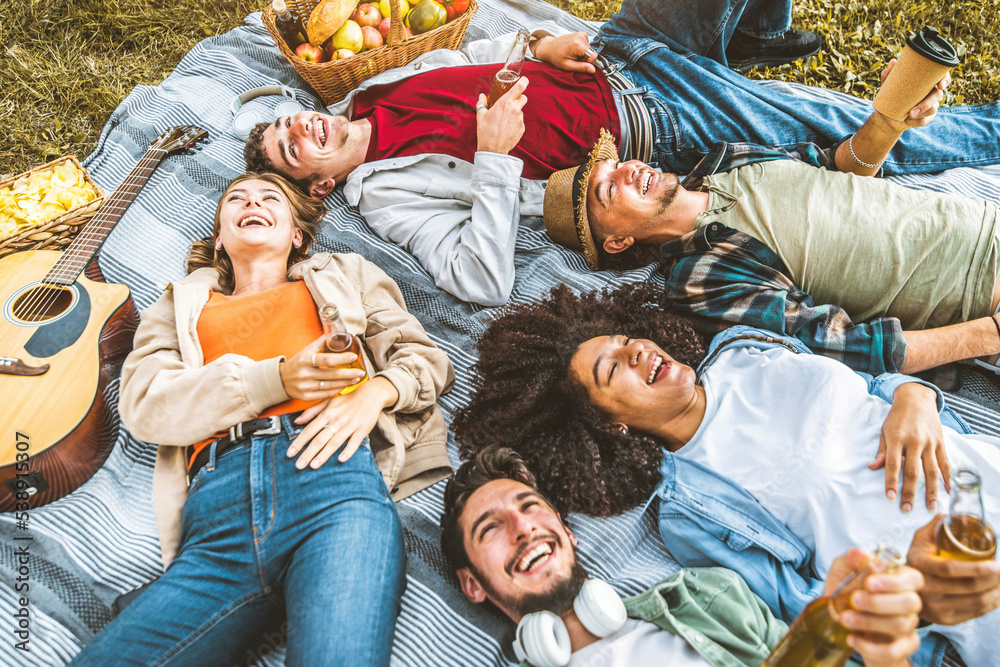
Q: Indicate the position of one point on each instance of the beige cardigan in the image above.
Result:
(170, 397)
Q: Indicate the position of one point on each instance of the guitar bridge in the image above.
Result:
(14, 366)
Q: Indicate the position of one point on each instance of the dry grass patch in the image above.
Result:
(68, 63)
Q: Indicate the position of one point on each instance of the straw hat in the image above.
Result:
(565, 207)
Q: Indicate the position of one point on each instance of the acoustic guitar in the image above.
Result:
(64, 335)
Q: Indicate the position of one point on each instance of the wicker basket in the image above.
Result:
(54, 233)
(334, 79)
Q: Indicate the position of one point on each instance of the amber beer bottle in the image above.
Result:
(336, 339)
(288, 24)
(964, 533)
(508, 75)
(815, 639)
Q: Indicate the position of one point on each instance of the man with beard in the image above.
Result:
(910, 277)
(511, 548)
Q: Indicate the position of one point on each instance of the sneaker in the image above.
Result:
(745, 52)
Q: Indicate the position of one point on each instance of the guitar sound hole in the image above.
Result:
(42, 303)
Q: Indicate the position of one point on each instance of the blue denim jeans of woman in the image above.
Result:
(675, 52)
(271, 554)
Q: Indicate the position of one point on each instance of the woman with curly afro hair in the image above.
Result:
(767, 460)
(584, 462)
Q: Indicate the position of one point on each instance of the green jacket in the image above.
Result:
(714, 610)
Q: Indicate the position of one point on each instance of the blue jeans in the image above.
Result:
(676, 52)
(271, 554)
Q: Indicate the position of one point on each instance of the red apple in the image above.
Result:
(310, 53)
(372, 38)
(367, 14)
(383, 28)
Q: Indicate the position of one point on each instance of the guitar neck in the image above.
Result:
(92, 236)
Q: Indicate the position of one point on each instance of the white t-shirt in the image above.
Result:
(638, 643)
(798, 431)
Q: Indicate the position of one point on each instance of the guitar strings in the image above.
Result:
(89, 240)
(43, 299)
(98, 231)
(100, 227)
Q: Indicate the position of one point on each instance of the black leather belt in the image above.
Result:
(236, 435)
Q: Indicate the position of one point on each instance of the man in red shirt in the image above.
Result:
(431, 169)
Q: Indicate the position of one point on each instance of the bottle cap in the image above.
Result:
(888, 557)
(929, 43)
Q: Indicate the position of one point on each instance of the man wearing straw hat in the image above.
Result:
(432, 169)
(910, 278)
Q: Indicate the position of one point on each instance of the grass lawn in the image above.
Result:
(68, 63)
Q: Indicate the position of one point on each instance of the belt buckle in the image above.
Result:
(273, 429)
(236, 433)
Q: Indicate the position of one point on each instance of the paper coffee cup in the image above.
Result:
(925, 60)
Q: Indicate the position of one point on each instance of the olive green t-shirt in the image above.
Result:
(869, 246)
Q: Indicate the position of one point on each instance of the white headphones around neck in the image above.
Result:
(541, 638)
(245, 120)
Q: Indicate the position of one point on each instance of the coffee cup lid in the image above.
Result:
(929, 43)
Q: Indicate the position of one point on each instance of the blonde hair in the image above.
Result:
(306, 216)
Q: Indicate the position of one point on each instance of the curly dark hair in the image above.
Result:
(526, 400)
(253, 152)
(491, 463)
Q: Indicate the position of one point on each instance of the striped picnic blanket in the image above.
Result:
(100, 541)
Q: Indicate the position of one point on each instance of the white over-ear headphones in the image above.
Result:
(542, 639)
(245, 120)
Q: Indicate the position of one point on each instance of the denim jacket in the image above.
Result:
(707, 520)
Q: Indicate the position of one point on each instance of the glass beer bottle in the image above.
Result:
(815, 639)
(964, 533)
(336, 339)
(508, 75)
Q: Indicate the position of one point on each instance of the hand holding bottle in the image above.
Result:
(312, 375)
(884, 614)
(819, 638)
(954, 591)
(500, 128)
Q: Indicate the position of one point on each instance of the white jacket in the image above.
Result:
(458, 219)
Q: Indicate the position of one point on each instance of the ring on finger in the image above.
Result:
(327, 426)
(321, 385)
(479, 107)
(314, 359)
(590, 52)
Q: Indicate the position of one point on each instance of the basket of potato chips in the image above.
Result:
(47, 206)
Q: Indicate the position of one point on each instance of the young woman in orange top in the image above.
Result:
(288, 530)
